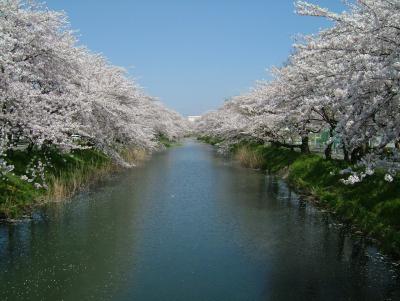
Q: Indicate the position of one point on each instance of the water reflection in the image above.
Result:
(189, 226)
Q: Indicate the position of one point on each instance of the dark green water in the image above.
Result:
(189, 226)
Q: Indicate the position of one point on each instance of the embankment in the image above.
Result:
(33, 182)
(371, 206)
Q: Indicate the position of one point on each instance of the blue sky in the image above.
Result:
(192, 54)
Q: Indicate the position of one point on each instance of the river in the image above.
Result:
(189, 225)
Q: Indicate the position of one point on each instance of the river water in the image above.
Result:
(189, 225)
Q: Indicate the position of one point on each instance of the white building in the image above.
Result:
(193, 118)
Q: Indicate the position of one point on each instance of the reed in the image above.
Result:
(65, 176)
(68, 183)
(134, 155)
(249, 157)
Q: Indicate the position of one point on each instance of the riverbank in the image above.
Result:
(47, 175)
(187, 215)
(63, 175)
(372, 206)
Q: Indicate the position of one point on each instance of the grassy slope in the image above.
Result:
(372, 205)
(209, 140)
(163, 140)
(67, 173)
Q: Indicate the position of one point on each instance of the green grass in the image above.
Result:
(65, 175)
(272, 159)
(209, 140)
(167, 142)
(17, 196)
(372, 205)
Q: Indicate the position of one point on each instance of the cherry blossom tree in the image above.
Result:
(53, 90)
(343, 81)
(364, 45)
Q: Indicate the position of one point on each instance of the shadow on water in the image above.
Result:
(189, 226)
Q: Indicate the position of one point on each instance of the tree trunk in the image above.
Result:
(345, 154)
(30, 147)
(328, 151)
(358, 153)
(305, 148)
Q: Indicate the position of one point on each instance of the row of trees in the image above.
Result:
(53, 91)
(344, 81)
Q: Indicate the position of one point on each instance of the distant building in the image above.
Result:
(193, 118)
